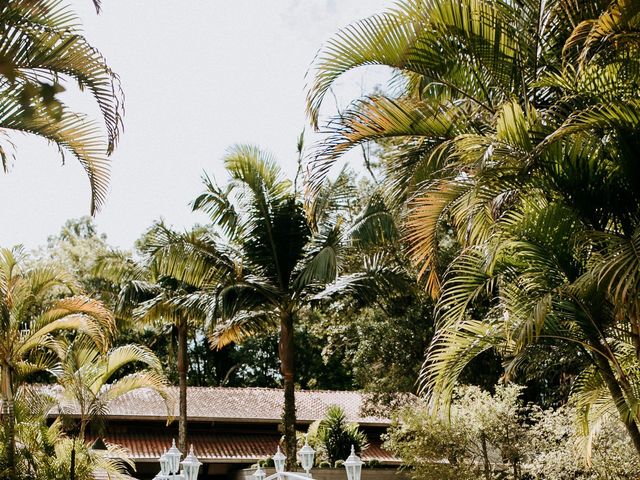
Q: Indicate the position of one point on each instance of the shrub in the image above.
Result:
(332, 437)
(496, 437)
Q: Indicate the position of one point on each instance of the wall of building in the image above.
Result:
(382, 473)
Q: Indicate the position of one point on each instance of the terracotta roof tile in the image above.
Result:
(219, 448)
(238, 405)
(102, 475)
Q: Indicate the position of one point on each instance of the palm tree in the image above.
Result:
(516, 119)
(31, 313)
(267, 256)
(86, 376)
(42, 45)
(148, 294)
(45, 451)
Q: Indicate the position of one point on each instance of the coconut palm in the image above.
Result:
(41, 46)
(87, 377)
(149, 295)
(45, 450)
(31, 314)
(267, 256)
(514, 120)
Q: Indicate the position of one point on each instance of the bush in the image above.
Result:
(482, 434)
(332, 437)
(496, 436)
(557, 453)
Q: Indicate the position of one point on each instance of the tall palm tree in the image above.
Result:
(149, 294)
(86, 376)
(45, 450)
(267, 256)
(42, 46)
(509, 109)
(31, 314)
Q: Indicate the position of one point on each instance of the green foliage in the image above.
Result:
(498, 437)
(44, 450)
(42, 48)
(76, 248)
(333, 436)
(483, 436)
(515, 124)
(92, 379)
(556, 453)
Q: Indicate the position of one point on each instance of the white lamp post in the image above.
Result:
(174, 455)
(307, 454)
(191, 466)
(170, 464)
(164, 466)
(259, 475)
(279, 460)
(353, 465)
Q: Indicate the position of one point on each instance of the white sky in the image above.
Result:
(199, 76)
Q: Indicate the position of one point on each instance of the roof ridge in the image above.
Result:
(274, 389)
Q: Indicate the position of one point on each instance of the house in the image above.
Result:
(230, 428)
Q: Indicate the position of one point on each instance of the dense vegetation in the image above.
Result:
(491, 267)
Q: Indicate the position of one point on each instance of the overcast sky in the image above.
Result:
(199, 76)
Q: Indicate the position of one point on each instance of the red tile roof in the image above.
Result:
(219, 448)
(255, 405)
(102, 475)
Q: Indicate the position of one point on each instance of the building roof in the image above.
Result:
(147, 446)
(102, 475)
(236, 405)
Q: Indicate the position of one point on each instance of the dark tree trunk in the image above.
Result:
(287, 368)
(72, 473)
(617, 394)
(8, 412)
(182, 382)
(485, 457)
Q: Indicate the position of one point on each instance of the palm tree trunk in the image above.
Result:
(287, 368)
(10, 419)
(618, 396)
(182, 384)
(485, 457)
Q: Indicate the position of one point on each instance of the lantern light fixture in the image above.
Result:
(174, 455)
(190, 466)
(260, 473)
(279, 460)
(353, 465)
(307, 455)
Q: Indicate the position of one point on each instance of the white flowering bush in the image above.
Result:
(556, 453)
(498, 437)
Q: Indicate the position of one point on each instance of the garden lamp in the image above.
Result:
(259, 475)
(173, 455)
(190, 466)
(307, 455)
(164, 466)
(353, 464)
(278, 460)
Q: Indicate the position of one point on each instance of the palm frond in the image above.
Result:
(244, 324)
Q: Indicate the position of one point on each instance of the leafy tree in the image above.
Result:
(32, 312)
(267, 257)
(45, 451)
(89, 377)
(256, 360)
(517, 126)
(76, 248)
(555, 453)
(41, 46)
(334, 436)
(483, 433)
(148, 294)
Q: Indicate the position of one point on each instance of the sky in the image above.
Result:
(199, 76)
